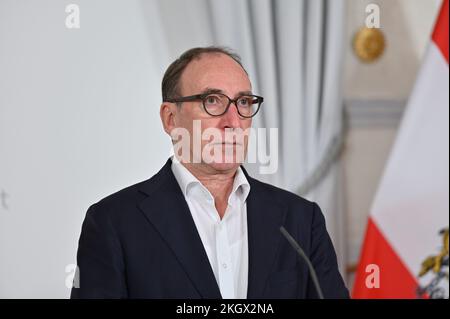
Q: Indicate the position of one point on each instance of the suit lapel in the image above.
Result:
(168, 212)
(264, 218)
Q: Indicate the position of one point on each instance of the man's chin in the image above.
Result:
(223, 166)
(226, 160)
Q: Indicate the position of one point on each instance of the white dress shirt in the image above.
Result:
(225, 241)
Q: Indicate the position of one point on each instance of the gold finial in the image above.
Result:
(368, 44)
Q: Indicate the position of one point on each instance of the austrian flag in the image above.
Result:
(405, 251)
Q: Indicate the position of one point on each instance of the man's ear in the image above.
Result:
(167, 113)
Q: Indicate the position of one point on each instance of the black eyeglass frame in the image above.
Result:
(202, 97)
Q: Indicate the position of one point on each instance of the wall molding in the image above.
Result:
(374, 113)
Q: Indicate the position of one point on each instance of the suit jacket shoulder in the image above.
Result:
(141, 242)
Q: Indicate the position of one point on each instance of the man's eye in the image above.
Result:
(212, 99)
(244, 102)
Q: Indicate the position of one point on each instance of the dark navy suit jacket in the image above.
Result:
(141, 242)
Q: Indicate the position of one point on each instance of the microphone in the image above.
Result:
(302, 254)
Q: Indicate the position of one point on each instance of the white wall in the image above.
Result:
(407, 25)
(78, 121)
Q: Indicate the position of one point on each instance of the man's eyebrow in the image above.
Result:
(214, 90)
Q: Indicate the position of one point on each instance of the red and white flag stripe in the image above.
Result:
(411, 206)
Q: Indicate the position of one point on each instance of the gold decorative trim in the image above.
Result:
(369, 44)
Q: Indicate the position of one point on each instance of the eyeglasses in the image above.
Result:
(217, 104)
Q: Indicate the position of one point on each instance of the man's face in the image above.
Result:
(215, 72)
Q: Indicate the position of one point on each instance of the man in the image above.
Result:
(202, 227)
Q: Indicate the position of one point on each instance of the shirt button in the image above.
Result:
(224, 265)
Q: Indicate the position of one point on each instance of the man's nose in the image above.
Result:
(231, 118)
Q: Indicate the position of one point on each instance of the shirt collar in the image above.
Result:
(241, 186)
(187, 181)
